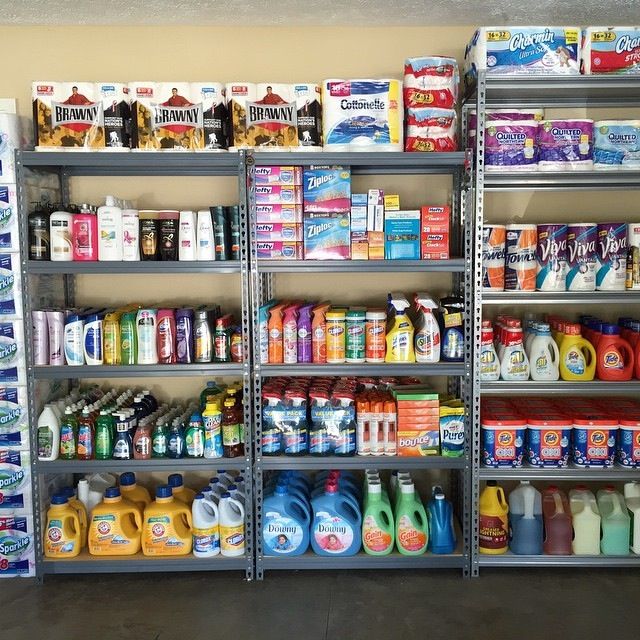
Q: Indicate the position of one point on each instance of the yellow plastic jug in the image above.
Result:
(133, 492)
(115, 526)
(180, 492)
(81, 510)
(167, 526)
(62, 531)
(494, 523)
(577, 355)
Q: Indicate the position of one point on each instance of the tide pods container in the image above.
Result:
(594, 441)
(503, 440)
(548, 441)
(628, 453)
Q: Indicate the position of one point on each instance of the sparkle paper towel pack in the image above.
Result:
(362, 115)
(9, 142)
(611, 50)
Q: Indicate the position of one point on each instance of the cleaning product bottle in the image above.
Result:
(167, 526)
(489, 363)
(62, 530)
(399, 332)
(319, 333)
(263, 330)
(442, 535)
(110, 231)
(544, 355)
(116, 526)
(577, 355)
(180, 492)
(614, 355)
(355, 335)
(276, 341)
(378, 527)
(335, 320)
(615, 523)
(305, 352)
(286, 522)
(232, 534)
(212, 426)
(194, 437)
(515, 364)
(122, 443)
(81, 510)
(586, 522)
(68, 435)
(159, 439)
(337, 523)
(86, 436)
(427, 334)
(206, 527)
(290, 333)
(558, 531)
(452, 328)
(494, 527)
(632, 498)
(231, 438)
(525, 520)
(412, 527)
(134, 492)
(146, 321)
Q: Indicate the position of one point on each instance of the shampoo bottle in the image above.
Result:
(110, 231)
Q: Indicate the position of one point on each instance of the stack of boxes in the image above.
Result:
(279, 212)
(17, 542)
(418, 421)
(434, 233)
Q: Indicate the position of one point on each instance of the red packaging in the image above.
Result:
(434, 232)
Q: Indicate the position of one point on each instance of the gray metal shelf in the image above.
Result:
(386, 369)
(562, 180)
(85, 563)
(155, 464)
(138, 370)
(509, 298)
(569, 473)
(455, 265)
(360, 462)
(361, 560)
(560, 387)
(116, 268)
(511, 560)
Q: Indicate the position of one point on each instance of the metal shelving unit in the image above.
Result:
(460, 375)
(553, 92)
(60, 278)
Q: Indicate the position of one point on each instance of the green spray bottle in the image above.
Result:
(128, 338)
(412, 529)
(377, 522)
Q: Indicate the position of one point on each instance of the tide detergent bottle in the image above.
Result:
(586, 522)
(62, 530)
(442, 536)
(614, 355)
(167, 526)
(336, 529)
(286, 523)
(577, 355)
(116, 525)
(377, 521)
(180, 492)
(133, 492)
(412, 527)
(494, 526)
(399, 331)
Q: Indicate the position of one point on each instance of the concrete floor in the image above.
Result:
(322, 605)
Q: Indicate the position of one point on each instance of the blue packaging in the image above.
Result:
(548, 442)
(286, 523)
(9, 240)
(17, 547)
(594, 442)
(327, 190)
(402, 235)
(14, 431)
(10, 354)
(628, 452)
(327, 237)
(334, 430)
(15, 481)
(616, 144)
(10, 284)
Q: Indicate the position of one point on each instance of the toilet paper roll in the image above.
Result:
(9, 227)
(215, 115)
(431, 129)
(616, 144)
(10, 140)
(431, 81)
(611, 50)
(238, 95)
(116, 110)
(565, 145)
(362, 115)
(511, 146)
(309, 112)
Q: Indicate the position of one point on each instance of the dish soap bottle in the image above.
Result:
(400, 331)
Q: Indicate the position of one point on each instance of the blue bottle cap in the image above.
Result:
(164, 491)
(214, 480)
(127, 479)
(58, 498)
(199, 496)
(610, 330)
(239, 479)
(226, 494)
(68, 492)
(175, 480)
(112, 492)
(195, 417)
(281, 489)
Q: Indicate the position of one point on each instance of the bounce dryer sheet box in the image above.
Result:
(611, 50)
(17, 547)
(327, 190)
(327, 236)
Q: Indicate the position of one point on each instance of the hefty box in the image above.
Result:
(15, 481)
(278, 194)
(278, 231)
(279, 250)
(14, 427)
(435, 232)
(327, 190)
(291, 176)
(279, 213)
(327, 237)
(402, 235)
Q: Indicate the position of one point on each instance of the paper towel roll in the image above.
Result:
(215, 115)
(9, 227)
(272, 118)
(309, 111)
(611, 50)
(9, 141)
(430, 81)
(238, 95)
(362, 115)
(116, 110)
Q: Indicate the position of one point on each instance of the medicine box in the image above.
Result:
(402, 235)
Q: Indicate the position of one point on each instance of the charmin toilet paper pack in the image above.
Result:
(611, 50)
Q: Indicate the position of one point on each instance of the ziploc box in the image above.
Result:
(273, 250)
(14, 427)
(9, 236)
(10, 285)
(17, 547)
(327, 190)
(279, 213)
(279, 231)
(435, 232)
(291, 176)
(402, 235)
(12, 356)
(327, 236)
(278, 194)
(611, 50)
(15, 481)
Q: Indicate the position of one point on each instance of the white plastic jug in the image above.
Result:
(586, 522)
(91, 489)
(525, 515)
(514, 364)
(632, 498)
(232, 537)
(544, 355)
(615, 523)
(206, 532)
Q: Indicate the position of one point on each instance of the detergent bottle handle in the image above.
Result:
(502, 499)
(352, 506)
(629, 359)
(137, 518)
(555, 352)
(303, 507)
(77, 529)
(586, 346)
(188, 518)
(238, 506)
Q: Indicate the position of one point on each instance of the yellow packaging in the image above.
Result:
(81, 510)
(392, 202)
(335, 336)
(167, 526)
(115, 526)
(62, 530)
(359, 247)
(111, 338)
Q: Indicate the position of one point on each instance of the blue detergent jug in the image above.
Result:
(285, 531)
(442, 538)
(525, 520)
(337, 523)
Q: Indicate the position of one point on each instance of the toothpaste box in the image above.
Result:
(15, 481)
(14, 428)
(10, 285)
(279, 175)
(434, 233)
(17, 547)
(375, 210)
(278, 194)
(279, 213)
(327, 190)
(402, 235)
(9, 237)
(280, 250)
(327, 236)
(278, 231)
(11, 353)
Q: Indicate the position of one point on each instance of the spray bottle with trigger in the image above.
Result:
(399, 331)
(427, 337)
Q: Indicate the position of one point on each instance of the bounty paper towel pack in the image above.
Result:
(523, 50)
(214, 112)
(362, 115)
(14, 428)
(9, 234)
(116, 110)
(565, 145)
(431, 81)
(431, 129)
(17, 547)
(611, 50)
(616, 144)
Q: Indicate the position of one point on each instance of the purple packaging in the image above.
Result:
(305, 353)
(278, 194)
(611, 269)
(279, 213)
(327, 236)
(279, 175)
(278, 250)
(551, 257)
(581, 257)
(184, 336)
(565, 144)
(511, 146)
(278, 231)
